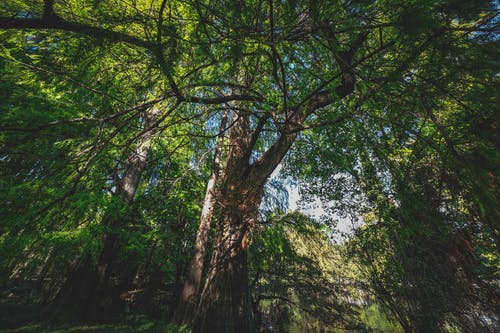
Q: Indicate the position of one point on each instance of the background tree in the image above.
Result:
(401, 168)
(296, 277)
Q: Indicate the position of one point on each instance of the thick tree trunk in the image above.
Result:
(189, 297)
(225, 304)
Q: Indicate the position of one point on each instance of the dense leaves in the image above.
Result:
(114, 116)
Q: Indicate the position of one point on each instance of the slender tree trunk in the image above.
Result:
(88, 294)
(126, 188)
(189, 297)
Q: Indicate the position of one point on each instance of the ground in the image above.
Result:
(19, 316)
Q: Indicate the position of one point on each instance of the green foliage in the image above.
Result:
(411, 151)
(296, 276)
(376, 321)
(412, 165)
(70, 114)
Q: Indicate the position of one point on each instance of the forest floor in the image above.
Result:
(18, 316)
(98, 328)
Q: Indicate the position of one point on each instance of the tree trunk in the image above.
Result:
(92, 290)
(189, 297)
(225, 304)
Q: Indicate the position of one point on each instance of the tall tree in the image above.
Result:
(88, 293)
(190, 291)
(280, 67)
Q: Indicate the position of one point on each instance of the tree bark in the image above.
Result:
(225, 303)
(89, 293)
(190, 291)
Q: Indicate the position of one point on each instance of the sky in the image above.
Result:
(317, 210)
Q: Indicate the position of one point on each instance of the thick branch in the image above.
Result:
(51, 21)
(273, 156)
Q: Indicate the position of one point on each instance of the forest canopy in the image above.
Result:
(148, 149)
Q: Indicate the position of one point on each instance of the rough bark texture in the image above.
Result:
(189, 297)
(225, 304)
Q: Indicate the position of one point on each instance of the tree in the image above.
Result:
(296, 277)
(402, 168)
(279, 68)
(191, 289)
(88, 293)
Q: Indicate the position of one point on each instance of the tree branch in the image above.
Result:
(50, 20)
